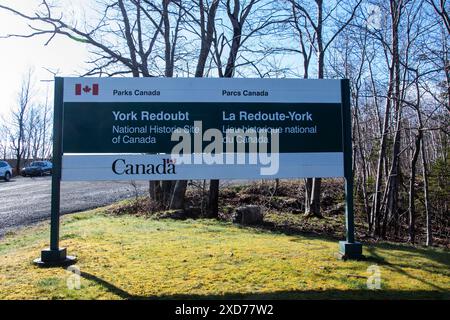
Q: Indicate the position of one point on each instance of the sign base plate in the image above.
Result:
(350, 251)
(54, 258)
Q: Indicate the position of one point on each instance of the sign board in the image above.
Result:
(200, 128)
(169, 129)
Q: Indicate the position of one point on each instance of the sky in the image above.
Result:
(63, 56)
(18, 55)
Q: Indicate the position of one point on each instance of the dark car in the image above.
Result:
(37, 168)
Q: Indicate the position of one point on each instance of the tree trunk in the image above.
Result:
(393, 183)
(412, 193)
(308, 191)
(167, 43)
(363, 166)
(394, 177)
(429, 240)
(151, 190)
(314, 201)
(179, 191)
(213, 199)
(207, 35)
(166, 192)
(381, 161)
(158, 191)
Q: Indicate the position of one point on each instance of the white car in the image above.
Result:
(5, 170)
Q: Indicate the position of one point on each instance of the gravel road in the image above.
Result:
(24, 201)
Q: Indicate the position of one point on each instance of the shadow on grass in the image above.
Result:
(440, 257)
(362, 294)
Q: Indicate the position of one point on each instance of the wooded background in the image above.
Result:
(395, 53)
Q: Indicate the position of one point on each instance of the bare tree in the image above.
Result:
(243, 28)
(206, 23)
(4, 140)
(311, 26)
(441, 8)
(19, 118)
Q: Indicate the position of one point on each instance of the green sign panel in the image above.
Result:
(91, 127)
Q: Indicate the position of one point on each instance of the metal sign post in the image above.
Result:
(348, 249)
(92, 141)
(56, 256)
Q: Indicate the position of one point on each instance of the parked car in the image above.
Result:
(5, 170)
(37, 168)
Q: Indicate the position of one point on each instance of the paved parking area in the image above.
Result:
(24, 201)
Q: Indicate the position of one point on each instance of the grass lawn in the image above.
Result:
(128, 257)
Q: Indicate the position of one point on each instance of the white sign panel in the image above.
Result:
(164, 167)
(201, 90)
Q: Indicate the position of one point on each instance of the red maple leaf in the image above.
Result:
(87, 89)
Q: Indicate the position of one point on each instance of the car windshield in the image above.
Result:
(37, 164)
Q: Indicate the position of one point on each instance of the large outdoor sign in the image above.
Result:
(197, 128)
(171, 129)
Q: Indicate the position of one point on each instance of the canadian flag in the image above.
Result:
(79, 89)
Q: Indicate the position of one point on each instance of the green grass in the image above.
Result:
(130, 257)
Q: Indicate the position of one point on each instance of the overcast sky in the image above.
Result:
(17, 55)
